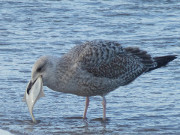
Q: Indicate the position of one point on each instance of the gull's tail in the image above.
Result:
(162, 61)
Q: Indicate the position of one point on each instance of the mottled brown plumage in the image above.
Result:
(110, 60)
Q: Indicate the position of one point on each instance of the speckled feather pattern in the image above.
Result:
(99, 67)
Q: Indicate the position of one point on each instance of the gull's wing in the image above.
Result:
(109, 59)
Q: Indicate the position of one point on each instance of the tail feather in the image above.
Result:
(162, 61)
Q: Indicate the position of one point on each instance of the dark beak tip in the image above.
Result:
(29, 87)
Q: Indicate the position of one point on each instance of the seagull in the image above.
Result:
(93, 68)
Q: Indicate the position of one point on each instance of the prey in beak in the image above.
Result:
(34, 89)
(41, 71)
(33, 92)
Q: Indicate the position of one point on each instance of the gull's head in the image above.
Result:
(40, 74)
(42, 68)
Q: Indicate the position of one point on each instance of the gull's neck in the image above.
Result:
(58, 74)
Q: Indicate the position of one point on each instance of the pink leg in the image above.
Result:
(86, 107)
(104, 108)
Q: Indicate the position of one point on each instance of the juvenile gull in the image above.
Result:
(93, 68)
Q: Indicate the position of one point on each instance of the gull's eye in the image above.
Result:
(39, 69)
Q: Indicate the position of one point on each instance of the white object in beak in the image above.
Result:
(33, 94)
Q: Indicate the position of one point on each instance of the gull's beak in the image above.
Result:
(33, 92)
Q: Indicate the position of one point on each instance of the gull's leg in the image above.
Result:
(86, 107)
(104, 108)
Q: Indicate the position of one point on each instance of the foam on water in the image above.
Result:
(3, 132)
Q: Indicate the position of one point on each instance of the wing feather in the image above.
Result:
(109, 59)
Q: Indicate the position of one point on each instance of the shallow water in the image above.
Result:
(29, 29)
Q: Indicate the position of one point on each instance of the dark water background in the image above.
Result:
(30, 29)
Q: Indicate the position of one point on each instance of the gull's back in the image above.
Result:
(98, 67)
